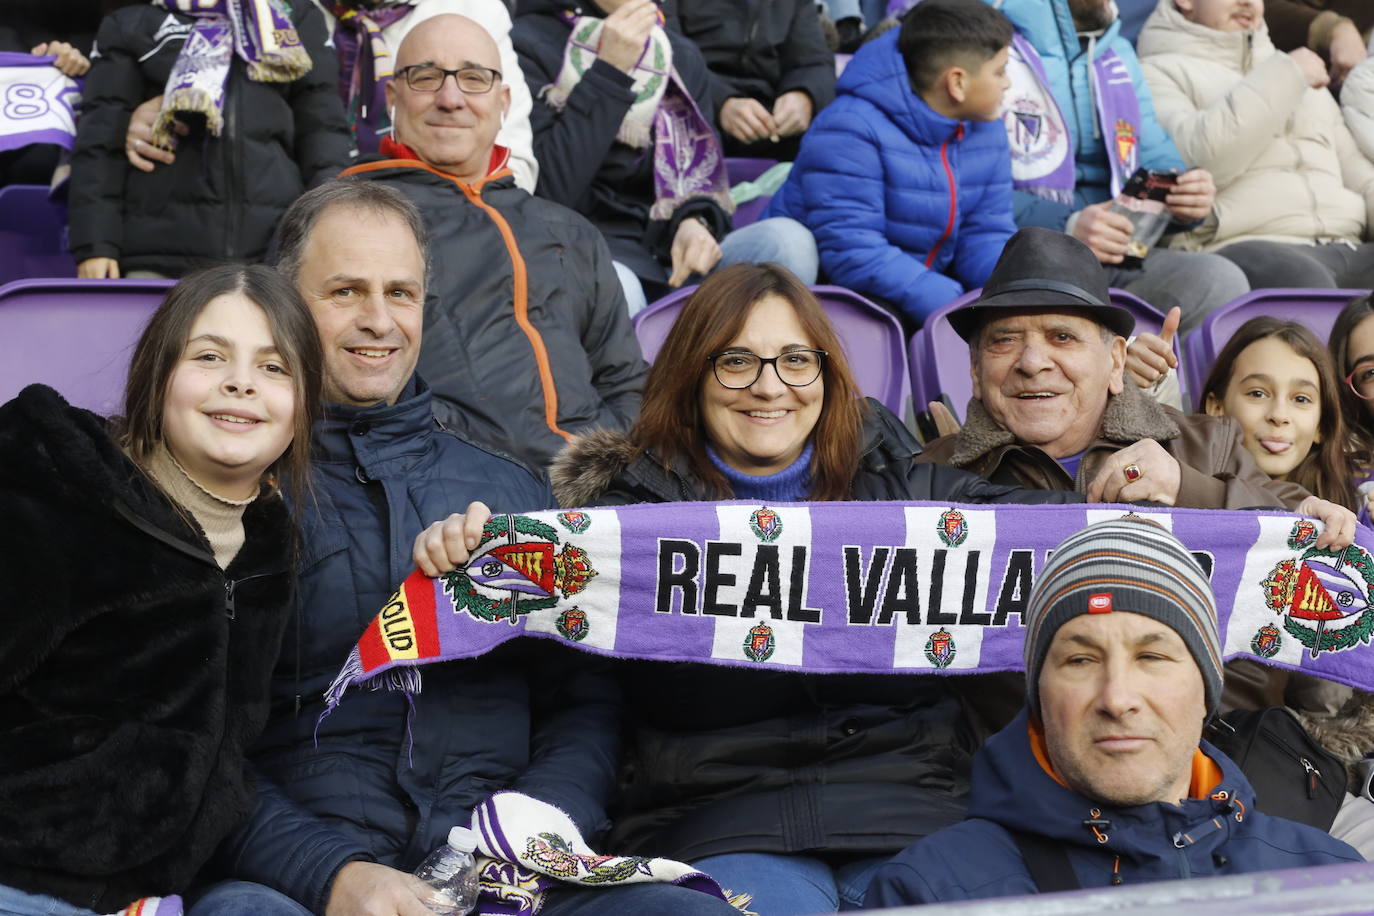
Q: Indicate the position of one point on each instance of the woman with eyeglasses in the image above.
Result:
(1351, 345)
(790, 787)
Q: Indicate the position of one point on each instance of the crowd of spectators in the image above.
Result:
(473, 199)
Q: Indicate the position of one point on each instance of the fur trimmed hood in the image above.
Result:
(586, 468)
(1130, 416)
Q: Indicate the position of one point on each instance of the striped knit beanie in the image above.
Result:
(1126, 564)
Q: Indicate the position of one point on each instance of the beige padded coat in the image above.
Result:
(1286, 167)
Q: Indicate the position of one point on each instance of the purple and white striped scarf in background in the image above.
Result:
(366, 65)
(260, 32)
(1042, 152)
(688, 161)
(40, 102)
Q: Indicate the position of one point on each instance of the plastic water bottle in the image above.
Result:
(452, 872)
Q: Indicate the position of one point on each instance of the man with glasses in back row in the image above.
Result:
(527, 338)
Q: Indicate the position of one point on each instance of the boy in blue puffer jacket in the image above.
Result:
(905, 179)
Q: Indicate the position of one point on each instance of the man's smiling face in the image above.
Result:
(362, 275)
(1045, 376)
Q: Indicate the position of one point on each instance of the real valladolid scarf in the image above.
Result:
(528, 847)
(1042, 154)
(687, 155)
(258, 31)
(913, 588)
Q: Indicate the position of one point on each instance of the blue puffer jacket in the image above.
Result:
(1048, 26)
(1221, 834)
(905, 204)
(385, 782)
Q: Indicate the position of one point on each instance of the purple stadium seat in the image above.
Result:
(939, 357)
(871, 336)
(75, 335)
(1315, 308)
(33, 235)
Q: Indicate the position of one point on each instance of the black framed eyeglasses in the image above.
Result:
(428, 78)
(740, 368)
(1361, 380)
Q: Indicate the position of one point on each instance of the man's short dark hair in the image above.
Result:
(359, 193)
(939, 34)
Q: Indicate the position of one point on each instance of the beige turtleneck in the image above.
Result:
(221, 519)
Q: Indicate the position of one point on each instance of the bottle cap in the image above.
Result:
(462, 839)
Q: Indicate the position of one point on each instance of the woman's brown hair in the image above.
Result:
(670, 424)
(1357, 418)
(1325, 471)
(163, 343)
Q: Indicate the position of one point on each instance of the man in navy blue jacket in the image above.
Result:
(905, 179)
(1106, 770)
(349, 805)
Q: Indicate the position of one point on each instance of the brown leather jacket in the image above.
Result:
(1216, 470)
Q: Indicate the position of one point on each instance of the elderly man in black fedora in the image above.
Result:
(1053, 410)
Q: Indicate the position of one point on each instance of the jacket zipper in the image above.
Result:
(953, 195)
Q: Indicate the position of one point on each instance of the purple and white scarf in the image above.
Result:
(38, 102)
(688, 161)
(1042, 153)
(527, 847)
(258, 31)
(914, 588)
(365, 66)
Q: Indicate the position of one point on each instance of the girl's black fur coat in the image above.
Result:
(133, 671)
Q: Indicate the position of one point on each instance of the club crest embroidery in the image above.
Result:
(766, 523)
(940, 648)
(952, 528)
(576, 522)
(1125, 142)
(1324, 597)
(572, 624)
(759, 643)
(1303, 535)
(517, 569)
(555, 855)
(1267, 641)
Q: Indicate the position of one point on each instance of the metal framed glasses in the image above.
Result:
(428, 78)
(740, 368)
(1361, 380)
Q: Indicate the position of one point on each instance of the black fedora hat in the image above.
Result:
(1042, 268)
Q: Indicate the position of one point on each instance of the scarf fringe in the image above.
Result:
(284, 66)
(187, 100)
(665, 207)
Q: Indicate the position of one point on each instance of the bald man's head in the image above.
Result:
(446, 119)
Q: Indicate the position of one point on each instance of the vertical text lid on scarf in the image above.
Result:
(848, 587)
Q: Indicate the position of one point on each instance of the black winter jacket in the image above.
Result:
(518, 373)
(222, 198)
(758, 51)
(133, 672)
(582, 165)
(723, 760)
(381, 780)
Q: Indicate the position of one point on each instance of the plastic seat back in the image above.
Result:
(1314, 308)
(33, 235)
(75, 335)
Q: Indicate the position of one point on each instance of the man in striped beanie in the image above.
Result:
(1123, 661)
(1104, 779)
